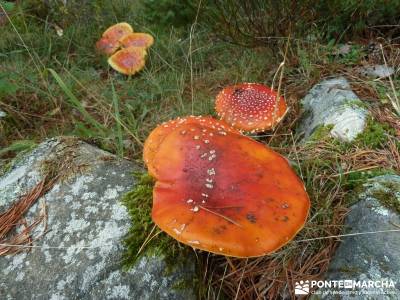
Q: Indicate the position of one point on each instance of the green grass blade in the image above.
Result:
(120, 145)
(18, 146)
(75, 102)
(7, 6)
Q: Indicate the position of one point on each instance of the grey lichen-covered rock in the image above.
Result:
(374, 257)
(376, 71)
(333, 103)
(80, 255)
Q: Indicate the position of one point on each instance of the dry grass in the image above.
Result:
(14, 229)
(11, 221)
(181, 77)
(307, 257)
(330, 171)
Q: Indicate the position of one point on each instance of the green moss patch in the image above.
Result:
(144, 237)
(375, 134)
(387, 195)
(354, 180)
(18, 149)
(320, 133)
(355, 103)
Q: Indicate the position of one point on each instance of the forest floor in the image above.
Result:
(185, 70)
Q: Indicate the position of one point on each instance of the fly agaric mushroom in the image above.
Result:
(250, 107)
(158, 135)
(225, 193)
(117, 31)
(137, 39)
(109, 42)
(128, 61)
(107, 46)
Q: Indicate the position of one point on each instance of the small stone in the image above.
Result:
(376, 71)
(333, 103)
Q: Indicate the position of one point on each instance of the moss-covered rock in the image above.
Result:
(144, 237)
(80, 246)
(371, 251)
(333, 103)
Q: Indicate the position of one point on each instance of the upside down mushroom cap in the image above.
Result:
(128, 61)
(107, 46)
(225, 193)
(137, 39)
(250, 107)
(117, 31)
(109, 41)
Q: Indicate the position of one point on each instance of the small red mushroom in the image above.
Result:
(222, 192)
(250, 107)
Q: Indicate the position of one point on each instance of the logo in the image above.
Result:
(345, 287)
(302, 287)
(348, 284)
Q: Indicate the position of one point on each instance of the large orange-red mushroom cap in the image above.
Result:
(109, 42)
(158, 135)
(137, 39)
(225, 193)
(128, 61)
(250, 107)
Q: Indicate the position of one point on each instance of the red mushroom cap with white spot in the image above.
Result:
(158, 135)
(250, 107)
(222, 192)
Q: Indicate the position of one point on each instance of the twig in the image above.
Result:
(349, 234)
(190, 54)
(222, 281)
(147, 240)
(220, 215)
(297, 156)
(240, 281)
(395, 102)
